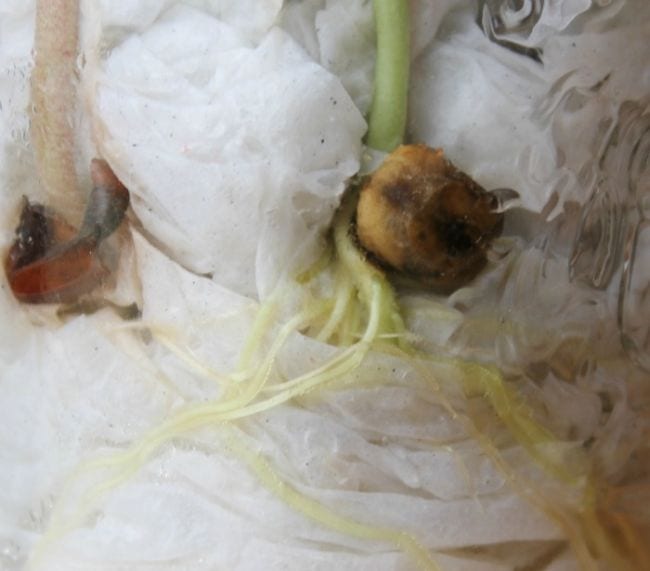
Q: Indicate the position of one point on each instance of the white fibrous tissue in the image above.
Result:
(222, 428)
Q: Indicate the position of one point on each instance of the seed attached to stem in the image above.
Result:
(423, 218)
(50, 262)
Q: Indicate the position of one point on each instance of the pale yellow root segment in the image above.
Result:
(242, 404)
(324, 516)
(515, 415)
(343, 296)
(594, 533)
(190, 360)
(363, 308)
(365, 277)
(263, 322)
(366, 291)
(53, 103)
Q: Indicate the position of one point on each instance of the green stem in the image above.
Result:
(390, 99)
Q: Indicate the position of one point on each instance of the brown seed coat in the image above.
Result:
(422, 217)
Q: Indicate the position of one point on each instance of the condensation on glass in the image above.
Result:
(610, 249)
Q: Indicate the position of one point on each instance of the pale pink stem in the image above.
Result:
(54, 99)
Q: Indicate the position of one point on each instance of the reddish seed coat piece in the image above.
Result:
(61, 276)
(49, 261)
